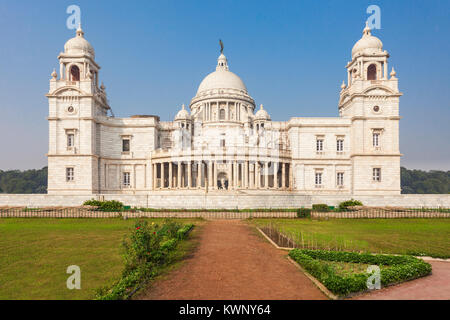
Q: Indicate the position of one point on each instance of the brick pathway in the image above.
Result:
(433, 287)
(233, 262)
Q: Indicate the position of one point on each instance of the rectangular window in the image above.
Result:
(70, 176)
(319, 145)
(70, 140)
(125, 145)
(376, 139)
(318, 178)
(222, 143)
(126, 179)
(340, 179)
(377, 174)
(340, 145)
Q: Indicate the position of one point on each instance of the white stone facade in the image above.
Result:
(219, 144)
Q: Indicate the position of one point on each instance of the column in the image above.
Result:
(251, 175)
(266, 177)
(257, 175)
(210, 180)
(275, 175)
(283, 176)
(178, 175)
(230, 175)
(291, 176)
(236, 174)
(163, 185)
(155, 167)
(215, 175)
(245, 176)
(170, 175)
(189, 175)
(385, 69)
(199, 174)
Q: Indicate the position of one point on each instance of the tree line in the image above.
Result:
(413, 181)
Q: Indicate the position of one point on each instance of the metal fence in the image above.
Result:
(384, 213)
(311, 240)
(89, 213)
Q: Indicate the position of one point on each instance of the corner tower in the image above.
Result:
(76, 103)
(371, 100)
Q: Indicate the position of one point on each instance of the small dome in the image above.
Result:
(262, 114)
(368, 44)
(183, 114)
(222, 78)
(79, 45)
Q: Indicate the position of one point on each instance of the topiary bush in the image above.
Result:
(343, 206)
(320, 207)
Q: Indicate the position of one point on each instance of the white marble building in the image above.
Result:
(222, 143)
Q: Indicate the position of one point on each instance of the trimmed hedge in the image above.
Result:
(343, 206)
(402, 268)
(105, 206)
(321, 207)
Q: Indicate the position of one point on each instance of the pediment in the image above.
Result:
(378, 91)
(68, 92)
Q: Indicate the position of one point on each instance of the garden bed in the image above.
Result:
(343, 272)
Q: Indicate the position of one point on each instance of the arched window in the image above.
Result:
(74, 73)
(222, 114)
(372, 72)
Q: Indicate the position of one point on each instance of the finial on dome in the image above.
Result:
(261, 107)
(221, 46)
(80, 32)
(54, 74)
(393, 73)
(367, 30)
(183, 107)
(343, 85)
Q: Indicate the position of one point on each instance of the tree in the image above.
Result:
(418, 181)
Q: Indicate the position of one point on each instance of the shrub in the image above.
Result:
(111, 206)
(303, 213)
(343, 206)
(320, 207)
(93, 203)
(401, 268)
(106, 206)
(145, 250)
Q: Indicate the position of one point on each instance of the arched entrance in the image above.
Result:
(222, 181)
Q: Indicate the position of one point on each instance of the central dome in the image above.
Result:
(222, 78)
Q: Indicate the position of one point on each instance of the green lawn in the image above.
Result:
(399, 236)
(35, 253)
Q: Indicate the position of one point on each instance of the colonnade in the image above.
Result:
(221, 175)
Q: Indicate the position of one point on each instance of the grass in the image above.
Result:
(398, 236)
(35, 253)
(348, 268)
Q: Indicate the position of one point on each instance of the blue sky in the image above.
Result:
(290, 54)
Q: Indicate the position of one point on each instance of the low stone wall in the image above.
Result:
(220, 200)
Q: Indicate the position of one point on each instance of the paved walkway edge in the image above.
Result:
(314, 280)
